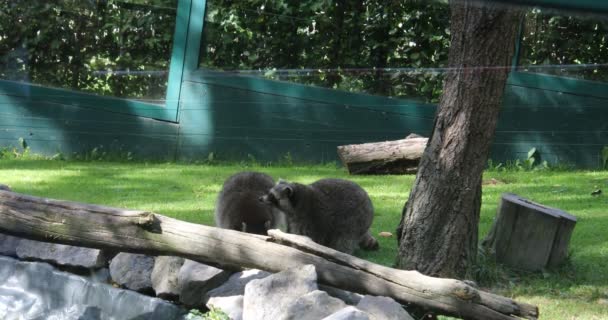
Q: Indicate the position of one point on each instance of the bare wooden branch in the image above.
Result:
(387, 157)
(145, 232)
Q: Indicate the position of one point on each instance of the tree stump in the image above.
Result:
(387, 157)
(529, 236)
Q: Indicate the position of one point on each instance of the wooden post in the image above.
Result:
(530, 236)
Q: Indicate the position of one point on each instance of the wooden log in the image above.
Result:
(388, 157)
(149, 233)
(499, 303)
(529, 236)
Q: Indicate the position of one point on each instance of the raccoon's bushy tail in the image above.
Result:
(368, 242)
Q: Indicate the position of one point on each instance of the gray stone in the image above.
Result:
(229, 296)
(8, 245)
(132, 271)
(313, 306)
(100, 275)
(235, 286)
(271, 297)
(61, 254)
(348, 313)
(350, 298)
(196, 279)
(232, 306)
(383, 308)
(164, 276)
(36, 290)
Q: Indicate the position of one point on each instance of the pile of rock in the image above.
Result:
(250, 294)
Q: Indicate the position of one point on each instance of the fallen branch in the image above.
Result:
(149, 233)
(387, 157)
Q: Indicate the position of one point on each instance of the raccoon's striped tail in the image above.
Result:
(368, 242)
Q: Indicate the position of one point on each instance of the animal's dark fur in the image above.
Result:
(238, 207)
(333, 212)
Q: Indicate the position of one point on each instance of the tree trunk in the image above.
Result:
(438, 231)
(116, 229)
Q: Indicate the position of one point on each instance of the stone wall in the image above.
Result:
(248, 294)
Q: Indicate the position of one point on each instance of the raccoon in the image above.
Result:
(238, 207)
(333, 212)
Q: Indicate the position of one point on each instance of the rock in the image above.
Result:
(8, 245)
(232, 305)
(132, 271)
(383, 308)
(61, 254)
(271, 297)
(164, 276)
(235, 286)
(313, 306)
(348, 313)
(196, 279)
(100, 275)
(229, 296)
(36, 290)
(350, 298)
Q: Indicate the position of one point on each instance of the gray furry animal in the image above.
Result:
(333, 212)
(238, 208)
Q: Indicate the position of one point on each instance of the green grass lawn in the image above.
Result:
(187, 191)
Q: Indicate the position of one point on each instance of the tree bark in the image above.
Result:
(529, 236)
(438, 231)
(149, 233)
(387, 157)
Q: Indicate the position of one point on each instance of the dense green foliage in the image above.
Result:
(391, 48)
(395, 48)
(367, 46)
(108, 47)
(572, 46)
(579, 290)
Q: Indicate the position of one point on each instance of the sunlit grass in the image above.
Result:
(188, 191)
